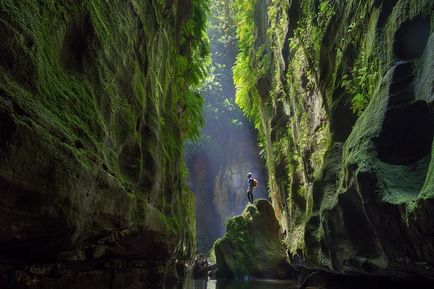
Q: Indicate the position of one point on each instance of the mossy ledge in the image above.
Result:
(96, 100)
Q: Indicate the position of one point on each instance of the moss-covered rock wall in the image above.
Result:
(343, 101)
(96, 100)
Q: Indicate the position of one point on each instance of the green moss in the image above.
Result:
(251, 245)
(316, 76)
(427, 191)
(402, 184)
(114, 86)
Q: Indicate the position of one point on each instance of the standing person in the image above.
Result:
(252, 184)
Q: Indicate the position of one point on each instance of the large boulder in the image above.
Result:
(252, 245)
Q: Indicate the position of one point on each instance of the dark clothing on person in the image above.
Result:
(250, 197)
(251, 184)
(250, 190)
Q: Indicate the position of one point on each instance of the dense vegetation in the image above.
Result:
(219, 107)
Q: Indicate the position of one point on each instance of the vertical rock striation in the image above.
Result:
(95, 103)
(342, 94)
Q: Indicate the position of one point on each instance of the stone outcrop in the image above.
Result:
(345, 97)
(252, 245)
(94, 108)
(219, 181)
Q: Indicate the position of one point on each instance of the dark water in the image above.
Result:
(238, 284)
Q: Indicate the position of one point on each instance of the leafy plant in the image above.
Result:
(361, 82)
(192, 67)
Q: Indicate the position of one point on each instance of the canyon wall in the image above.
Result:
(342, 95)
(96, 100)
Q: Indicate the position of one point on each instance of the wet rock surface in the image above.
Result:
(252, 245)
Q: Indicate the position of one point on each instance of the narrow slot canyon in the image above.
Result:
(217, 144)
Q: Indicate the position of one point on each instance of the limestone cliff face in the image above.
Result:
(342, 95)
(94, 108)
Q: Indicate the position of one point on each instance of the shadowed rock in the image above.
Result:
(252, 245)
(91, 138)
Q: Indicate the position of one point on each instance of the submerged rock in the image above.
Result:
(252, 245)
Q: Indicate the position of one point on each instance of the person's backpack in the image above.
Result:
(254, 182)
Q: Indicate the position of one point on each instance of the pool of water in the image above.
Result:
(238, 284)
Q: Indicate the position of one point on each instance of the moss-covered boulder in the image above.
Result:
(253, 245)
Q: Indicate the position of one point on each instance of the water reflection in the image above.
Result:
(237, 284)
